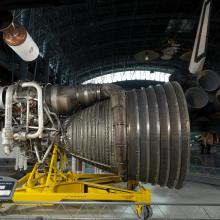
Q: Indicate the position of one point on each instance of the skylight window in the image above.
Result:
(130, 75)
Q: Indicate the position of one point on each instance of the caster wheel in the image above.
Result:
(147, 212)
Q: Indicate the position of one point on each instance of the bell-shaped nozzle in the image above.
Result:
(17, 37)
(196, 98)
(208, 80)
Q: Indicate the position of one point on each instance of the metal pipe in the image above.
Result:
(93, 162)
(120, 203)
(39, 132)
(60, 99)
(64, 99)
(27, 111)
(37, 153)
(81, 202)
(2, 97)
(46, 153)
(7, 132)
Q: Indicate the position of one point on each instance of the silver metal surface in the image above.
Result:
(154, 135)
(185, 134)
(133, 136)
(87, 134)
(2, 97)
(64, 99)
(164, 135)
(40, 112)
(7, 131)
(142, 141)
(144, 135)
(175, 138)
(118, 107)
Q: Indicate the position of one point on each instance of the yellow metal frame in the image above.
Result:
(54, 185)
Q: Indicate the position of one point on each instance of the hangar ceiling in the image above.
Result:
(85, 38)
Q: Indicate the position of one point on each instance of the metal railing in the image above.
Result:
(107, 210)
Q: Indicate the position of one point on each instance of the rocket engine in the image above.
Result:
(139, 135)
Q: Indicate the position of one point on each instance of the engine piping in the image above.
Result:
(7, 132)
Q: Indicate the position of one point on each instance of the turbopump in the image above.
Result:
(139, 135)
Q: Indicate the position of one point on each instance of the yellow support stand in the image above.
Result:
(54, 185)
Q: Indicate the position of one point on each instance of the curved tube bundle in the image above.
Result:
(141, 135)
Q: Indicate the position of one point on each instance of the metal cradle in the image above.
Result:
(54, 185)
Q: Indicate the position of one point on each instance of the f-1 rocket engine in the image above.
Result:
(139, 135)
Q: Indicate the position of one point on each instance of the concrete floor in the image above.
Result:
(192, 193)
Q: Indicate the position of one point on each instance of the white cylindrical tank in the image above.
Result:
(17, 37)
(28, 50)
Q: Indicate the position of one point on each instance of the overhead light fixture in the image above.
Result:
(17, 37)
(146, 56)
